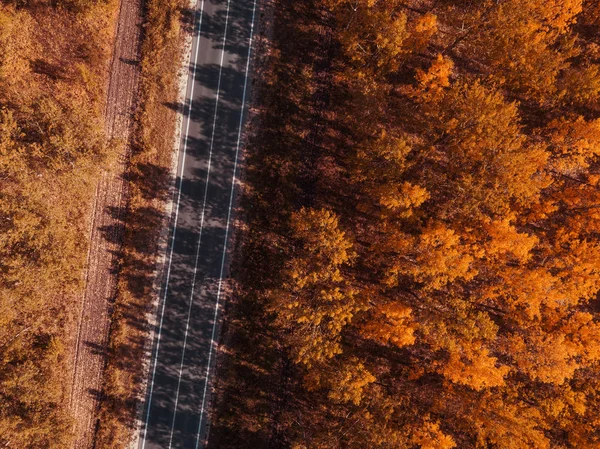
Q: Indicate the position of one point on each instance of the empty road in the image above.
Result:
(177, 397)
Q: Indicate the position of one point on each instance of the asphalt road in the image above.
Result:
(178, 394)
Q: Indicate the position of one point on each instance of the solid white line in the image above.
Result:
(237, 150)
(212, 140)
(162, 313)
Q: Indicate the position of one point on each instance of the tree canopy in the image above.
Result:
(443, 291)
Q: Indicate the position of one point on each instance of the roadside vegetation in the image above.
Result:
(53, 65)
(420, 263)
(149, 178)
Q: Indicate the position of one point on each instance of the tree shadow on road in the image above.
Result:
(257, 387)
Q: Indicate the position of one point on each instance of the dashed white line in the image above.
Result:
(231, 194)
(212, 140)
(162, 313)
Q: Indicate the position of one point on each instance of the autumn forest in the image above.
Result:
(52, 62)
(417, 264)
(429, 266)
(54, 148)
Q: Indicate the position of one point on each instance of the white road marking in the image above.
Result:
(162, 313)
(237, 150)
(212, 140)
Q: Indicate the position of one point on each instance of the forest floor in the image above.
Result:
(106, 232)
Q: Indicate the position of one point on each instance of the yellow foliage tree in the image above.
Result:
(475, 368)
(482, 160)
(574, 144)
(374, 34)
(430, 436)
(390, 323)
(518, 40)
(432, 82)
(439, 258)
(315, 303)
